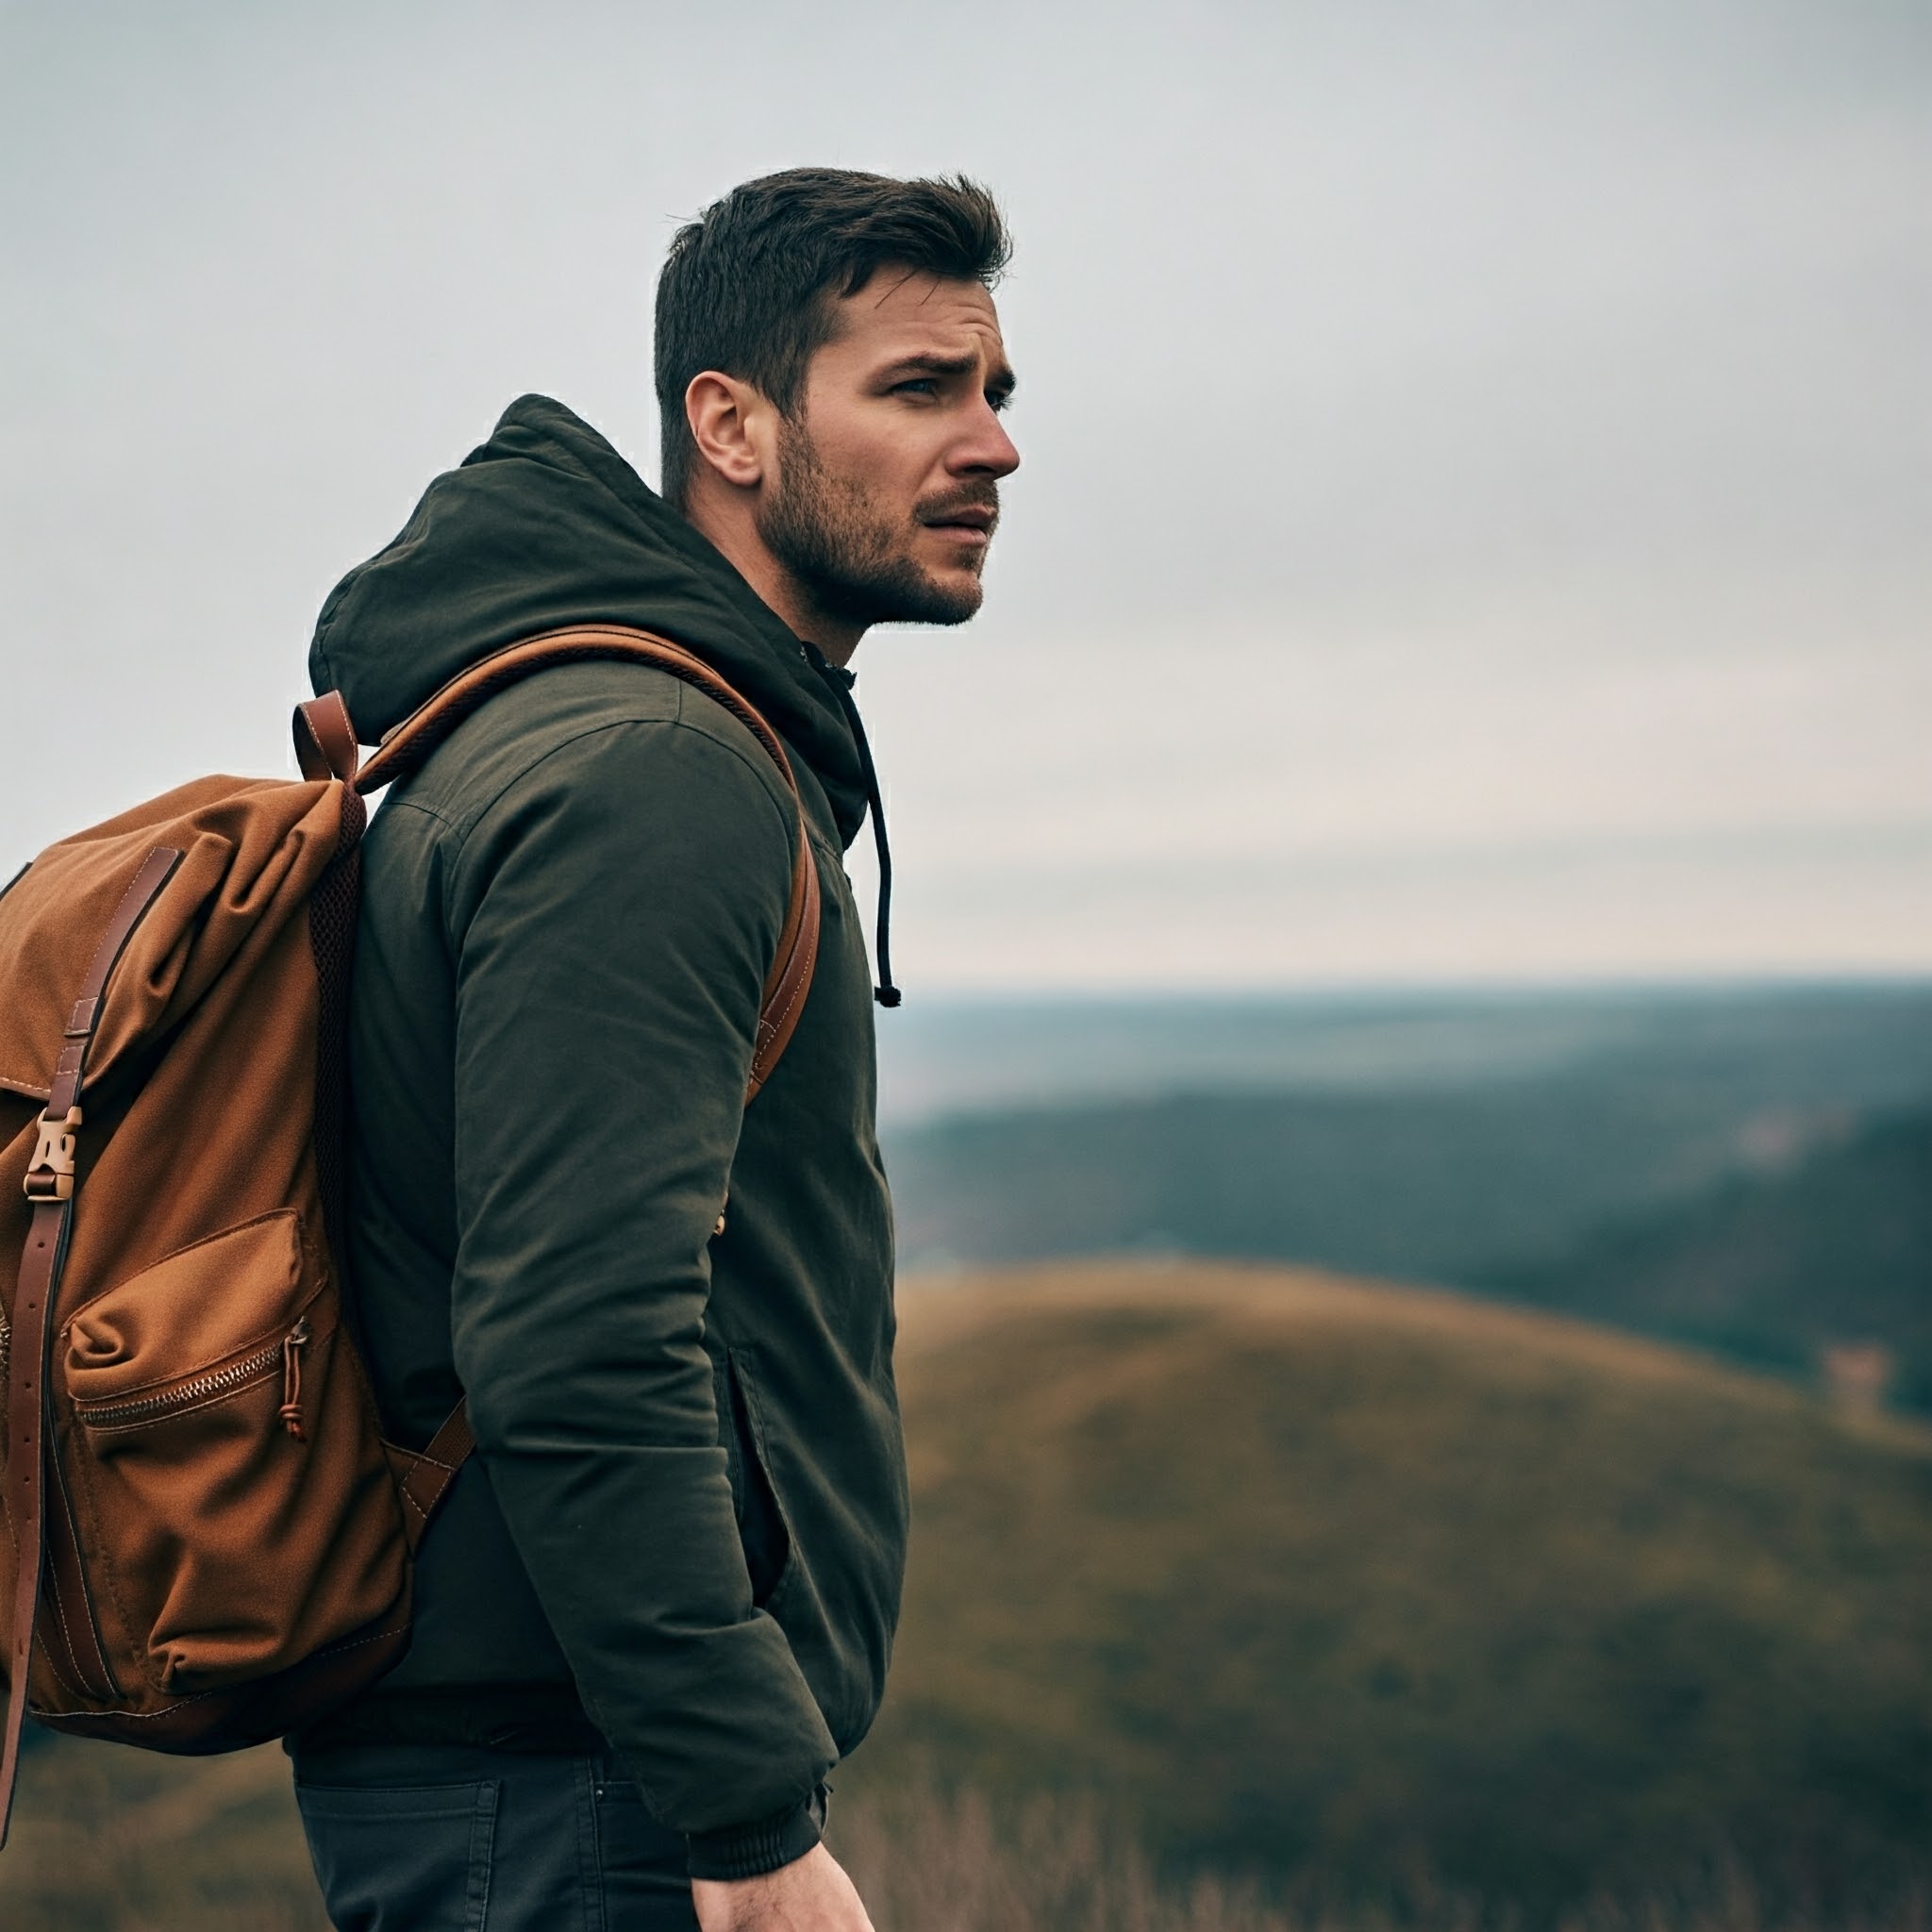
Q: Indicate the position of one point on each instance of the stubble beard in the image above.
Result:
(852, 561)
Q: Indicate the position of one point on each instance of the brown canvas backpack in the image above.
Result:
(209, 1542)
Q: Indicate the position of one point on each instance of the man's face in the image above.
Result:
(888, 483)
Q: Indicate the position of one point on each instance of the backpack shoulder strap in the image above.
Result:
(327, 747)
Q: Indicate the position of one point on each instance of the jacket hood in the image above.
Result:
(547, 525)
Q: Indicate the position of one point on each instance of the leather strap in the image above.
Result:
(324, 738)
(326, 743)
(322, 723)
(49, 1185)
(432, 1469)
(790, 980)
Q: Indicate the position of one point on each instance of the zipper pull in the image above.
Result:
(293, 1342)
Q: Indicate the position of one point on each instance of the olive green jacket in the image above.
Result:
(688, 1515)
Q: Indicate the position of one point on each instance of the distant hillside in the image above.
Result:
(1429, 1183)
(1740, 1170)
(1756, 1049)
(1777, 1267)
(1354, 1581)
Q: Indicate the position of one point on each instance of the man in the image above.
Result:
(657, 1608)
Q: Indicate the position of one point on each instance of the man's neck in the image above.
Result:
(732, 532)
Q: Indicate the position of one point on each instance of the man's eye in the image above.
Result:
(918, 385)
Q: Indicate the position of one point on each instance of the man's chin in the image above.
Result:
(961, 595)
(959, 609)
(939, 597)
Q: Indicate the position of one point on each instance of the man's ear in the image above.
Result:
(734, 426)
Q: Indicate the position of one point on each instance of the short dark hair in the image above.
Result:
(748, 286)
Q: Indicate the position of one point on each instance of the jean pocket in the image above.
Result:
(402, 1858)
(643, 1868)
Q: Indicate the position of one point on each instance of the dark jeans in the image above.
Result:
(436, 1838)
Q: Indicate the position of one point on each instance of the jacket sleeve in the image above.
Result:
(612, 917)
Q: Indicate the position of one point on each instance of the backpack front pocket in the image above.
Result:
(238, 1508)
(218, 1384)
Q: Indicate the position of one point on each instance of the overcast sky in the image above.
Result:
(1477, 512)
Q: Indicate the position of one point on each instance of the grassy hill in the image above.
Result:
(1304, 1574)
(1775, 1267)
(1374, 1588)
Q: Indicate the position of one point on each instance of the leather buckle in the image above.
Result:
(50, 1173)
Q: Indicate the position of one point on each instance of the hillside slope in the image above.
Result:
(1312, 1575)
(1304, 1575)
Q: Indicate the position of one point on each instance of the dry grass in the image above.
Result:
(931, 1864)
(107, 1839)
(1305, 1576)
(927, 1862)
(1296, 1578)
(113, 1841)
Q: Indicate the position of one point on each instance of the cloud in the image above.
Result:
(1447, 431)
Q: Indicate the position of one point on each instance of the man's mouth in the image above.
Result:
(972, 523)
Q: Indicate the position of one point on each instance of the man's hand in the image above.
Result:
(811, 1895)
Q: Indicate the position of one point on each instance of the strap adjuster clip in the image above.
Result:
(50, 1173)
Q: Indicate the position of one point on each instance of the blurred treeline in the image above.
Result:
(1748, 1172)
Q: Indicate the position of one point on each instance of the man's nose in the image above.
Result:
(988, 450)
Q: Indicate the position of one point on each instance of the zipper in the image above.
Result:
(293, 1342)
(254, 1367)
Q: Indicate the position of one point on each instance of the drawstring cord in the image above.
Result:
(839, 683)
